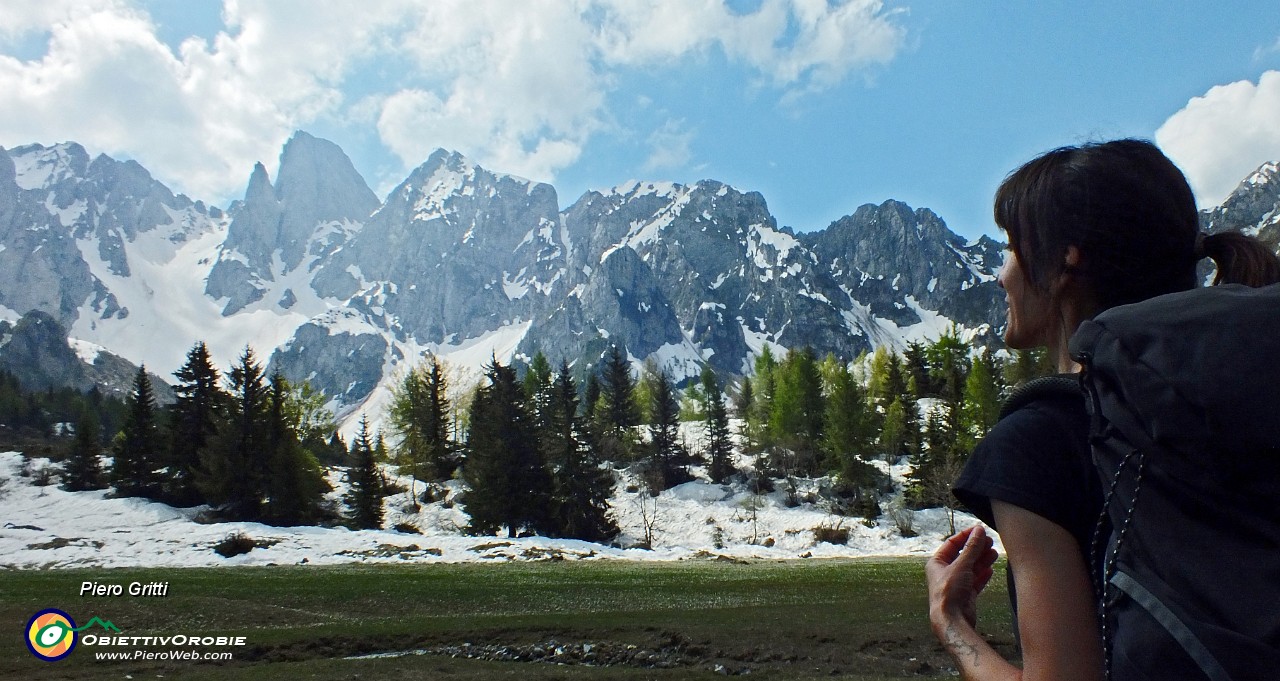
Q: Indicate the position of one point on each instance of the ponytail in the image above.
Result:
(1241, 259)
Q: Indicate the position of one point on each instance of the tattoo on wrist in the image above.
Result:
(959, 647)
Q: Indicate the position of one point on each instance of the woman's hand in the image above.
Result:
(958, 571)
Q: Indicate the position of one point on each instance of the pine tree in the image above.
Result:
(665, 451)
(364, 483)
(591, 397)
(200, 408)
(582, 487)
(619, 410)
(719, 453)
(83, 468)
(510, 484)
(136, 465)
(916, 367)
(618, 387)
(233, 467)
(294, 485)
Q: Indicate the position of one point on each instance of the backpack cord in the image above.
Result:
(1109, 570)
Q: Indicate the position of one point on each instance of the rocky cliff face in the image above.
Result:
(345, 291)
(37, 352)
(1253, 208)
(317, 197)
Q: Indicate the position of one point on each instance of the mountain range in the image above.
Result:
(334, 286)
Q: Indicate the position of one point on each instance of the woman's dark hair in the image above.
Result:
(1130, 212)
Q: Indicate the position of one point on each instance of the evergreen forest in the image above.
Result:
(538, 447)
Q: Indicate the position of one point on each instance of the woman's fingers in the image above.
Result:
(952, 546)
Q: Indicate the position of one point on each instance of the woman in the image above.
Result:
(1089, 228)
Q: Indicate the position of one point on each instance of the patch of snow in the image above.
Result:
(40, 168)
(514, 289)
(54, 529)
(681, 360)
(67, 216)
(86, 351)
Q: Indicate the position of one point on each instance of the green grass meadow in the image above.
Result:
(807, 619)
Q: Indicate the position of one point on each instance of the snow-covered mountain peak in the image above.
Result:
(40, 167)
(311, 271)
(1266, 174)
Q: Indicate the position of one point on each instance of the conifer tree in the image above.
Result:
(719, 452)
(234, 467)
(746, 398)
(510, 484)
(294, 483)
(937, 466)
(538, 377)
(591, 397)
(795, 421)
(848, 436)
(136, 465)
(982, 392)
(420, 419)
(1028, 364)
(620, 414)
(314, 424)
(364, 483)
(666, 455)
(582, 488)
(745, 405)
(83, 468)
(645, 389)
(766, 384)
(893, 431)
(916, 366)
(200, 408)
(949, 364)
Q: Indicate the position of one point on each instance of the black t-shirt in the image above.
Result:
(1038, 458)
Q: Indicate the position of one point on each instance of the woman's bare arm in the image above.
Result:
(1057, 625)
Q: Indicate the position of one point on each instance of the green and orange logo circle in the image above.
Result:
(51, 634)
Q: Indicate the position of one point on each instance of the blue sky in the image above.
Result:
(820, 105)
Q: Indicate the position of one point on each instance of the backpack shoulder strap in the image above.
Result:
(1059, 385)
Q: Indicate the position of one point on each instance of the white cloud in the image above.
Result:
(670, 147)
(1221, 137)
(519, 86)
(810, 44)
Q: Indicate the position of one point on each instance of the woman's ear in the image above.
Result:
(1070, 269)
(1073, 259)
